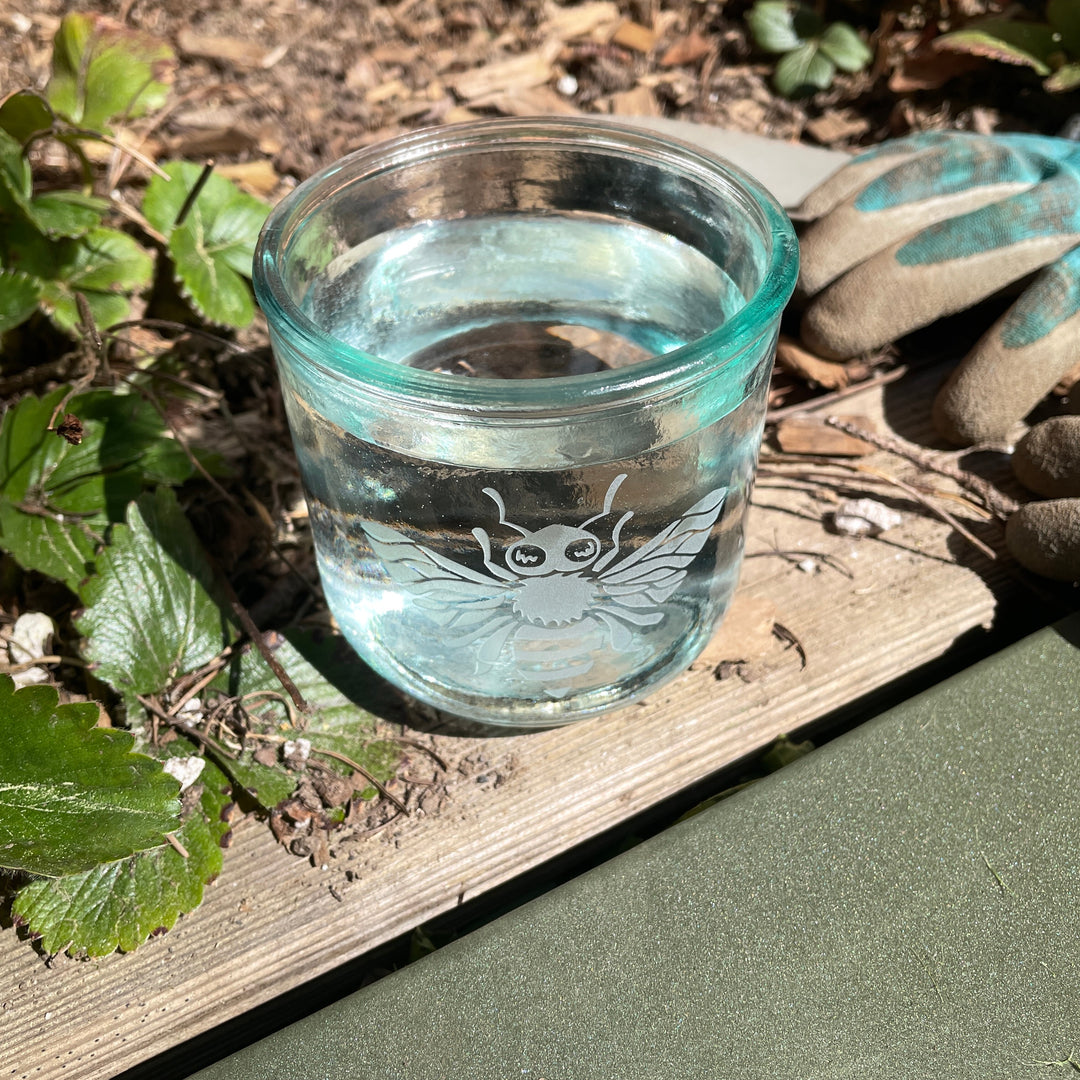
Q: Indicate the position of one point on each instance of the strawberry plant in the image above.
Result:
(56, 245)
(810, 49)
(124, 766)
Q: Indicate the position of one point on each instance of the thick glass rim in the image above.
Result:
(367, 373)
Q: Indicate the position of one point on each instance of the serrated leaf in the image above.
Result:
(1065, 78)
(58, 501)
(213, 247)
(103, 70)
(23, 114)
(843, 46)
(107, 267)
(778, 26)
(150, 612)
(73, 795)
(803, 70)
(67, 213)
(19, 294)
(121, 904)
(1027, 44)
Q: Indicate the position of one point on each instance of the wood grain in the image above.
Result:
(271, 922)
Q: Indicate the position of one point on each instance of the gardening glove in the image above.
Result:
(930, 224)
(1045, 536)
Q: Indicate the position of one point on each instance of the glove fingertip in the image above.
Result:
(1044, 537)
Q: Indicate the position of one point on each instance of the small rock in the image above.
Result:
(864, 517)
(186, 769)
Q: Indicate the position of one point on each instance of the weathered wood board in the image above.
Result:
(273, 922)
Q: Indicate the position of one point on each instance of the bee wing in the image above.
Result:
(454, 595)
(650, 575)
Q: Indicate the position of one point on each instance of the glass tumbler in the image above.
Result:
(525, 365)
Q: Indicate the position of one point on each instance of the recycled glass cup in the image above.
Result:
(525, 365)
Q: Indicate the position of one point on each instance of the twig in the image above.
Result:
(798, 555)
(130, 151)
(177, 846)
(26, 665)
(192, 733)
(201, 684)
(289, 709)
(193, 194)
(377, 784)
(945, 516)
(997, 502)
(886, 377)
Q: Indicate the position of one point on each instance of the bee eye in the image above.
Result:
(582, 550)
(527, 555)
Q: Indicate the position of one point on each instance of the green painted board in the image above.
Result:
(904, 902)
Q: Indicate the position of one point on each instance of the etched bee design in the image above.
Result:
(559, 595)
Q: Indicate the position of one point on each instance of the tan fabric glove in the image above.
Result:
(928, 225)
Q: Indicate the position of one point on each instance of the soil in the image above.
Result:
(299, 83)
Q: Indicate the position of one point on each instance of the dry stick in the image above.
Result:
(813, 404)
(179, 725)
(193, 194)
(996, 501)
(255, 634)
(377, 784)
(177, 846)
(919, 497)
(201, 685)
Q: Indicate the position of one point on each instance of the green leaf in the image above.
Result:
(333, 683)
(106, 266)
(150, 613)
(843, 46)
(1028, 44)
(67, 213)
(803, 70)
(121, 904)
(72, 795)
(1065, 78)
(23, 114)
(213, 247)
(779, 27)
(1064, 17)
(58, 501)
(103, 70)
(19, 294)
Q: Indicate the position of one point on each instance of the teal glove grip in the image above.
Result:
(928, 225)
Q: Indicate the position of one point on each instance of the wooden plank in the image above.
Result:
(272, 922)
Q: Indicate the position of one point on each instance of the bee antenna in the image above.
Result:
(496, 498)
(609, 498)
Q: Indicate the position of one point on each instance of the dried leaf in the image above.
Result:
(637, 102)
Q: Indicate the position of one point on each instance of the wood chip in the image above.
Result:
(238, 52)
(528, 101)
(515, 73)
(687, 50)
(581, 20)
(213, 141)
(634, 36)
(827, 373)
(257, 177)
(392, 88)
(637, 102)
(835, 126)
(810, 435)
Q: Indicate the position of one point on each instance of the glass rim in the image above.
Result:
(367, 373)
